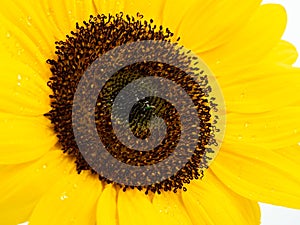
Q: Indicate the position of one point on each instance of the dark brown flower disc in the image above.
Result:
(95, 38)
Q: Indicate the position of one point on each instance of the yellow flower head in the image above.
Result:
(113, 112)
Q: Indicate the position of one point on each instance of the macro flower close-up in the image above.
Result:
(229, 112)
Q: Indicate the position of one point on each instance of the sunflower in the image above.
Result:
(45, 179)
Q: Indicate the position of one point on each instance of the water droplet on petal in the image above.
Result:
(19, 80)
(64, 196)
(246, 125)
(28, 20)
(25, 223)
(218, 61)
(44, 166)
(8, 35)
(299, 143)
(20, 51)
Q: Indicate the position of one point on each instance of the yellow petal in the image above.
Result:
(59, 15)
(78, 11)
(23, 91)
(23, 185)
(253, 42)
(261, 88)
(277, 129)
(26, 34)
(291, 152)
(283, 52)
(70, 201)
(64, 14)
(175, 13)
(107, 206)
(260, 174)
(171, 204)
(112, 7)
(24, 138)
(29, 29)
(134, 207)
(150, 9)
(208, 24)
(211, 201)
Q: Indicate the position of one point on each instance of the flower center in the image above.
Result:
(158, 133)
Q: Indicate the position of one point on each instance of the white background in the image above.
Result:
(275, 215)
